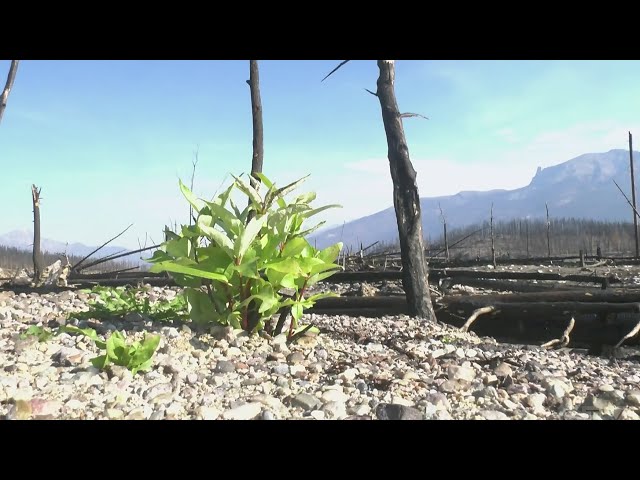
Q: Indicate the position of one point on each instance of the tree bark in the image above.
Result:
(7, 88)
(38, 261)
(405, 198)
(256, 113)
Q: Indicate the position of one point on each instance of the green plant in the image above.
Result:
(121, 300)
(42, 333)
(234, 264)
(136, 356)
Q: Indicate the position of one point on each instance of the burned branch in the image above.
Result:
(75, 268)
(8, 86)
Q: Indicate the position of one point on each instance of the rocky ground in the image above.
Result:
(356, 368)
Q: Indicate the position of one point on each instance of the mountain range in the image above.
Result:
(581, 188)
(23, 240)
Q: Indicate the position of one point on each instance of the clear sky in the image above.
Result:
(107, 140)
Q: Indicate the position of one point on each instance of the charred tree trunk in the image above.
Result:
(38, 261)
(548, 231)
(446, 241)
(7, 88)
(493, 243)
(633, 196)
(256, 114)
(256, 167)
(405, 198)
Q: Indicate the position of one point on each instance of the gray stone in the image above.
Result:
(439, 400)
(556, 387)
(207, 413)
(267, 415)
(295, 358)
(456, 372)
(362, 387)
(334, 396)
(389, 411)
(225, 366)
(157, 414)
(335, 410)
(280, 369)
(535, 400)
(493, 415)
(248, 411)
(306, 402)
(633, 398)
(192, 378)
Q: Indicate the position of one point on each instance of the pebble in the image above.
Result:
(222, 373)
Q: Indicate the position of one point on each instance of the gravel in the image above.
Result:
(389, 368)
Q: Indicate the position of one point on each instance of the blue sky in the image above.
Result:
(107, 140)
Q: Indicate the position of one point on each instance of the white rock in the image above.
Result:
(247, 411)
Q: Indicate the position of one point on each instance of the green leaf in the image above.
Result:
(223, 217)
(263, 178)
(295, 246)
(145, 351)
(179, 248)
(296, 312)
(281, 192)
(191, 198)
(196, 270)
(218, 237)
(100, 362)
(287, 265)
(249, 235)
(305, 198)
(281, 279)
(315, 211)
(318, 277)
(330, 254)
(249, 191)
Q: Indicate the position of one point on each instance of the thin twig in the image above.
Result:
(372, 93)
(627, 199)
(564, 340)
(629, 335)
(475, 315)
(409, 115)
(75, 267)
(334, 70)
(193, 174)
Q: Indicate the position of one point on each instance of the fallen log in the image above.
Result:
(511, 285)
(586, 295)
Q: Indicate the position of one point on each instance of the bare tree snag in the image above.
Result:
(493, 242)
(406, 199)
(633, 196)
(38, 261)
(475, 315)
(256, 167)
(548, 231)
(8, 86)
(258, 135)
(627, 199)
(444, 226)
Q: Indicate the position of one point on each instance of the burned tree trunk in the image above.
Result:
(493, 242)
(633, 196)
(444, 226)
(256, 167)
(405, 198)
(38, 262)
(548, 231)
(256, 113)
(7, 88)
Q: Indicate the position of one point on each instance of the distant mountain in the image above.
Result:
(581, 187)
(23, 240)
